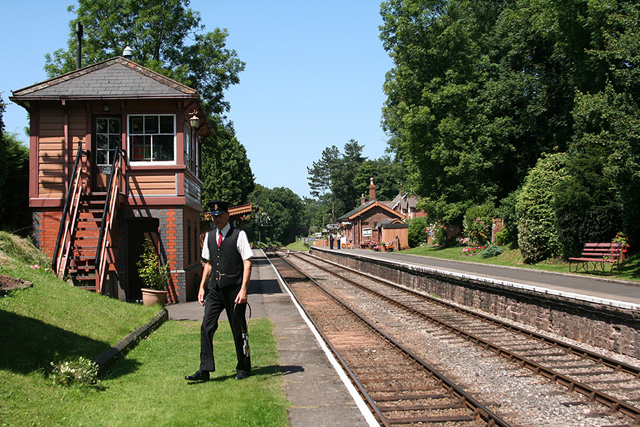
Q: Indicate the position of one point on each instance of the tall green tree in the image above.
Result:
(479, 90)
(386, 174)
(607, 122)
(226, 172)
(285, 212)
(342, 177)
(14, 182)
(168, 37)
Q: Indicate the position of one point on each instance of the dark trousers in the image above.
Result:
(219, 299)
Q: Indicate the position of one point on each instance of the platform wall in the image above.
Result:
(602, 326)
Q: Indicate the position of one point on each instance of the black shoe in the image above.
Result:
(198, 376)
(241, 375)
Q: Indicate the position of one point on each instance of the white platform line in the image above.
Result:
(360, 403)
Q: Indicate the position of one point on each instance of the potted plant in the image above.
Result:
(154, 276)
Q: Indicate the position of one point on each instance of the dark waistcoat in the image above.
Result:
(226, 263)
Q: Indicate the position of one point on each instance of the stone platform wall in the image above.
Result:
(611, 328)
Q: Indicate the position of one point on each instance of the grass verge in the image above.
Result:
(298, 246)
(53, 321)
(628, 270)
(147, 386)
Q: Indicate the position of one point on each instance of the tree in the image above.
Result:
(14, 182)
(284, 209)
(480, 90)
(167, 36)
(537, 230)
(226, 173)
(319, 174)
(433, 110)
(386, 174)
(342, 177)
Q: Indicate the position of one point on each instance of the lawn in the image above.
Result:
(628, 270)
(147, 387)
(53, 321)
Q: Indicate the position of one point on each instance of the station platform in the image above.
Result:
(618, 293)
(318, 389)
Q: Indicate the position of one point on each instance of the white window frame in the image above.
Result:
(152, 162)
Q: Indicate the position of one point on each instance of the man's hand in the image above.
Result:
(206, 273)
(241, 298)
(201, 295)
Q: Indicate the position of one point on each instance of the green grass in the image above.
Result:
(297, 246)
(147, 387)
(53, 321)
(628, 270)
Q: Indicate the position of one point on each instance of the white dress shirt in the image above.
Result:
(243, 246)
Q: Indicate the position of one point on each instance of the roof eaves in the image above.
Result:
(22, 93)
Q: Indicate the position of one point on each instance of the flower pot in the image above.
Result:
(151, 297)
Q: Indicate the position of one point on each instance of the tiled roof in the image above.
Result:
(115, 78)
(362, 208)
(356, 210)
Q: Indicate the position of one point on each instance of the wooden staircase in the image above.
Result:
(82, 265)
(84, 252)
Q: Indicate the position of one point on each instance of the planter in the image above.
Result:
(151, 297)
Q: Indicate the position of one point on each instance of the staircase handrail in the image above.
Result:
(108, 214)
(69, 218)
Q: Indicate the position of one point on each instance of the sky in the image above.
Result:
(313, 77)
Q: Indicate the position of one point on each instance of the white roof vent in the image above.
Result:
(127, 53)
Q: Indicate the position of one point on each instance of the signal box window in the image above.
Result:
(152, 138)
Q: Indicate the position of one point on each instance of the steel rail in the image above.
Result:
(615, 405)
(581, 352)
(607, 361)
(480, 410)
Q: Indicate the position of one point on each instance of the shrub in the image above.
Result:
(152, 274)
(502, 237)
(507, 211)
(586, 206)
(417, 231)
(472, 250)
(74, 372)
(537, 230)
(491, 251)
(477, 223)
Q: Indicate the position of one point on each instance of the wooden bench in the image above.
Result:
(598, 254)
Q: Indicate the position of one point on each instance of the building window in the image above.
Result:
(107, 140)
(152, 138)
(191, 159)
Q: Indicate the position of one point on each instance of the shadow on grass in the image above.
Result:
(29, 344)
(627, 270)
(258, 371)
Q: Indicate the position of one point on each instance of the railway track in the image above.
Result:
(603, 380)
(399, 387)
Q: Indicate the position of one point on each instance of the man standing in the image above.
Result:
(331, 240)
(224, 284)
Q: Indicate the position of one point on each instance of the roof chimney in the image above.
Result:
(78, 45)
(363, 200)
(127, 53)
(372, 190)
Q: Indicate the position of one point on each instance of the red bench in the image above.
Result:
(598, 254)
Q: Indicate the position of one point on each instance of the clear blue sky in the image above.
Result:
(313, 77)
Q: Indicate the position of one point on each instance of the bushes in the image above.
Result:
(477, 223)
(491, 251)
(417, 231)
(537, 232)
(507, 211)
